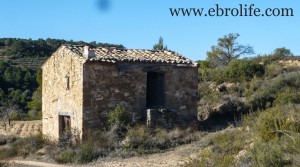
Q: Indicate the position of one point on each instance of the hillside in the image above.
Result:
(20, 65)
(32, 53)
(249, 115)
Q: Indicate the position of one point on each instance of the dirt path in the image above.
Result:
(175, 157)
(25, 163)
(178, 156)
(172, 158)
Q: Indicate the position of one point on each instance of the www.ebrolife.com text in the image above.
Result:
(239, 11)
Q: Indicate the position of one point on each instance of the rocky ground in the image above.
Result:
(173, 157)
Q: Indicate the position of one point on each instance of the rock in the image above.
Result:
(42, 151)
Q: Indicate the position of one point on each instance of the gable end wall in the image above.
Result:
(57, 100)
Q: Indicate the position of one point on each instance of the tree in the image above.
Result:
(160, 45)
(35, 105)
(6, 110)
(227, 49)
(282, 52)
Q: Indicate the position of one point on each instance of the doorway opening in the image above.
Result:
(155, 97)
(64, 124)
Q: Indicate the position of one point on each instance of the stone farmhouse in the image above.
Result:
(81, 85)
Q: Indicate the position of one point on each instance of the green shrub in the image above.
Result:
(236, 144)
(65, 156)
(275, 136)
(284, 98)
(143, 140)
(23, 147)
(66, 139)
(6, 153)
(268, 59)
(222, 151)
(119, 116)
(18, 116)
(278, 120)
(238, 70)
(86, 153)
(140, 138)
(3, 140)
(214, 74)
(204, 67)
(291, 68)
(273, 70)
(266, 94)
(265, 154)
(119, 121)
(35, 115)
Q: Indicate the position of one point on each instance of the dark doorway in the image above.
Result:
(155, 90)
(64, 124)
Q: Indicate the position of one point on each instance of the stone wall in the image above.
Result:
(108, 85)
(161, 118)
(88, 90)
(62, 91)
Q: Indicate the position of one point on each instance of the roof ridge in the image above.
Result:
(107, 53)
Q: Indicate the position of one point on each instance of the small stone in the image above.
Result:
(182, 107)
(114, 74)
(41, 151)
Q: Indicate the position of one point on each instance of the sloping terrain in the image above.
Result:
(21, 128)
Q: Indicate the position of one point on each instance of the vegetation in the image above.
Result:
(258, 97)
(160, 45)
(17, 48)
(21, 146)
(261, 98)
(227, 49)
(238, 70)
(20, 83)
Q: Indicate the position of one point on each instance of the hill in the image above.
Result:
(32, 53)
(20, 63)
(256, 100)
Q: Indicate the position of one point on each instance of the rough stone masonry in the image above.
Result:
(82, 85)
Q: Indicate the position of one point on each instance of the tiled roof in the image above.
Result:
(114, 55)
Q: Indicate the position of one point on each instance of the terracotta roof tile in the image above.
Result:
(133, 55)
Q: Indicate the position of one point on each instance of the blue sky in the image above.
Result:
(139, 24)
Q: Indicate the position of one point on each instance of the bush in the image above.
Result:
(265, 154)
(35, 115)
(145, 141)
(288, 97)
(266, 94)
(66, 139)
(18, 116)
(119, 121)
(23, 147)
(223, 149)
(268, 59)
(141, 139)
(238, 70)
(86, 153)
(119, 116)
(273, 70)
(276, 137)
(236, 144)
(3, 140)
(214, 74)
(278, 120)
(65, 156)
